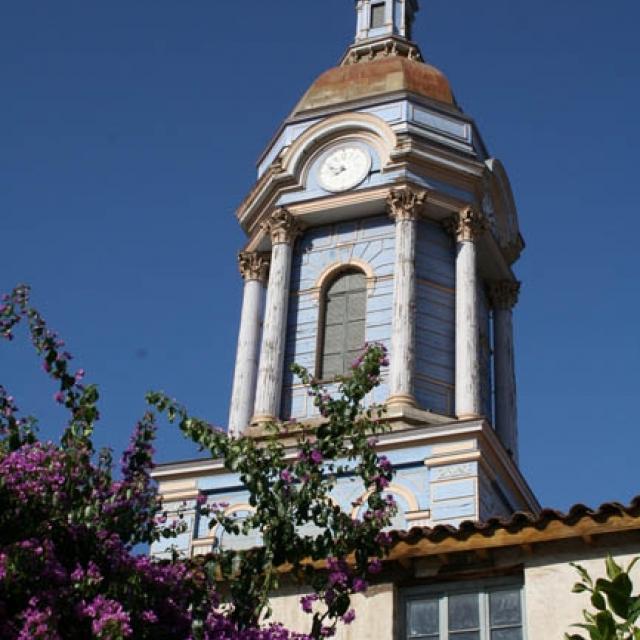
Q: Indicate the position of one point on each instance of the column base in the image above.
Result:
(401, 400)
(261, 420)
(469, 416)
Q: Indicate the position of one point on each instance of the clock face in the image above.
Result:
(344, 168)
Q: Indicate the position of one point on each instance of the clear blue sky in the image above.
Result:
(129, 133)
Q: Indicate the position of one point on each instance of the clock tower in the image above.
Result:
(378, 215)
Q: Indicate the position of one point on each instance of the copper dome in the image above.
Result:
(376, 78)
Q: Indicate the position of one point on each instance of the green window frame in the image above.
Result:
(488, 610)
(343, 325)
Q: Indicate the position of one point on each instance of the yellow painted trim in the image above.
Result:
(392, 488)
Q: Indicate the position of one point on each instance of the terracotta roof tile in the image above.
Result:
(519, 521)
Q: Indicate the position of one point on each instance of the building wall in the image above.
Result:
(551, 608)
(374, 614)
(435, 319)
(437, 481)
(371, 241)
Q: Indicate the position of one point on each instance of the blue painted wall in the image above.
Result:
(435, 319)
(370, 240)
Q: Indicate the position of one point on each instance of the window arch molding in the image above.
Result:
(333, 271)
(399, 490)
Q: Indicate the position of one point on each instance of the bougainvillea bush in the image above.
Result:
(70, 520)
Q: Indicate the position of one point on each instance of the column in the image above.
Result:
(253, 268)
(467, 227)
(504, 296)
(283, 230)
(405, 206)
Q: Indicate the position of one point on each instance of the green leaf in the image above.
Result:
(598, 601)
(606, 625)
(613, 569)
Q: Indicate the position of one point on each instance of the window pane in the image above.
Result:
(356, 305)
(464, 613)
(422, 619)
(339, 285)
(355, 281)
(332, 366)
(505, 608)
(464, 635)
(507, 634)
(336, 310)
(333, 340)
(377, 15)
(355, 335)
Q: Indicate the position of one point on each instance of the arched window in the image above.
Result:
(343, 323)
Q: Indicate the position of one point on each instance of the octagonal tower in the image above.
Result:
(378, 215)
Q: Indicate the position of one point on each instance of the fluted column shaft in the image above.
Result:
(405, 207)
(283, 230)
(467, 228)
(504, 296)
(254, 268)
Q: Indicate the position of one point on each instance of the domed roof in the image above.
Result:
(375, 78)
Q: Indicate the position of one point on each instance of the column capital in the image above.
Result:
(253, 265)
(282, 227)
(406, 204)
(468, 225)
(503, 294)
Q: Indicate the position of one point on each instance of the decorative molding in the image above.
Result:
(385, 48)
(282, 227)
(403, 492)
(514, 249)
(468, 225)
(406, 204)
(332, 270)
(503, 294)
(253, 265)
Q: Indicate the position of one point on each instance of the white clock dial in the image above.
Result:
(344, 168)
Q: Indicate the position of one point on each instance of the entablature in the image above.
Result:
(407, 143)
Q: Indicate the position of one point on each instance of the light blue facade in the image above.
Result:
(372, 241)
(369, 240)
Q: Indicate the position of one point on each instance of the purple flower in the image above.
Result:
(384, 538)
(307, 602)
(338, 578)
(349, 617)
(375, 566)
(381, 482)
(201, 499)
(59, 397)
(286, 476)
(316, 457)
(385, 464)
(359, 585)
